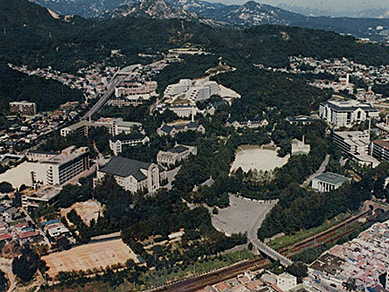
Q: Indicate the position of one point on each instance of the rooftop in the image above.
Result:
(349, 105)
(332, 178)
(125, 167)
(178, 149)
(66, 155)
(381, 142)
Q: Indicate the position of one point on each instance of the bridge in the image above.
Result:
(263, 248)
(116, 80)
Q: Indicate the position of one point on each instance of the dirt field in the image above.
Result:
(89, 256)
(255, 158)
(87, 210)
(19, 175)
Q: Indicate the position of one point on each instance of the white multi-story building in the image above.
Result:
(201, 89)
(380, 149)
(179, 88)
(183, 111)
(134, 175)
(115, 127)
(286, 282)
(176, 154)
(356, 145)
(352, 142)
(136, 88)
(346, 112)
(116, 144)
(59, 169)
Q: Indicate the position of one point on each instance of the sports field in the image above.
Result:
(89, 256)
(259, 159)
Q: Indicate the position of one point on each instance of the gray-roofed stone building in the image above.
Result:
(172, 130)
(134, 175)
(328, 181)
(176, 154)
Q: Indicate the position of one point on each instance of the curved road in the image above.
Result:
(253, 237)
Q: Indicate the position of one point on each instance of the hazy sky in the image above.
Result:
(333, 5)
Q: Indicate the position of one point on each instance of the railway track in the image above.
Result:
(199, 282)
(196, 283)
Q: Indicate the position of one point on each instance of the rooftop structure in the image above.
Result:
(328, 181)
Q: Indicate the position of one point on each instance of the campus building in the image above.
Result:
(249, 123)
(328, 181)
(197, 90)
(181, 110)
(176, 154)
(352, 142)
(299, 147)
(380, 149)
(172, 130)
(346, 112)
(60, 168)
(117, 143)
(134, 175)
(115, 126)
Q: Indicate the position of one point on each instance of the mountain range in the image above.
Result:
(248, 14)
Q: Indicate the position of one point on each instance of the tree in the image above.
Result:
(26, 264)
(3, 282)
(299, 270)
(6, 187)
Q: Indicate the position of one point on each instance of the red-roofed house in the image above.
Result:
(28, 234)
(5, 236)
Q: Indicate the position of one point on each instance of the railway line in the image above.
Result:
(196, 283)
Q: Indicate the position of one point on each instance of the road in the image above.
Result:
(110, 89)
(253, 237)
(321, 169)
